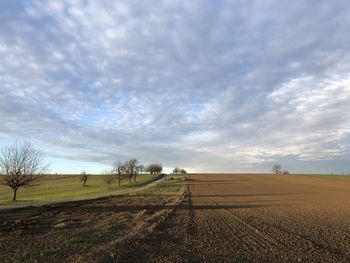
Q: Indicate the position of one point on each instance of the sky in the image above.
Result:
(211, 86)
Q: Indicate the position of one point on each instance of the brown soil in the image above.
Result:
(251, 218)
(79, 231)
(223, 218)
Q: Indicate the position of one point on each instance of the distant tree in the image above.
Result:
(158, 168)
(108, 177)
(21, 165)
(277, 169)
(176, 170)
(132, 169)
(183, 171)
(285, 172)
(84, 177)
(119, 169)
(142, 168)
(154, 168)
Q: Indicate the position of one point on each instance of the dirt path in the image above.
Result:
(251, 218)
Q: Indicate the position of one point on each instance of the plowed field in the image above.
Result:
(252, 218)
(221, 218)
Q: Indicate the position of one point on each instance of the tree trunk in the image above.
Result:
(135, 178)
(14, 195)
(119, 180)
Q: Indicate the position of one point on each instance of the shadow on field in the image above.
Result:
(235, 195)
(247, 195)
(214, 180)
(153, 208)
(218, 181)
(209, 184)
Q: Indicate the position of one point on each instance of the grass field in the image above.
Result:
(63, 187)
(170, 186)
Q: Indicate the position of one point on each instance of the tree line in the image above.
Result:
(121, 170)
(21, 165)
(178, 170)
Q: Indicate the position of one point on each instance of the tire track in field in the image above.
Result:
(253, 229)
(223, 234)
(248, 237)
(278, 237)
(212, 238)
(301, 242)
(203, 230)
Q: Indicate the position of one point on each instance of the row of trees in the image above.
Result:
(21, 165)
(129, 169)
(154, 168)
(178, 170)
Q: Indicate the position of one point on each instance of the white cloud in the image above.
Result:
(223, 85)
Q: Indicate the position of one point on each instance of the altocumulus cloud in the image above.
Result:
(207, 85)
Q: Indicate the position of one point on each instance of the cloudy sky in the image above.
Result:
(206, 85)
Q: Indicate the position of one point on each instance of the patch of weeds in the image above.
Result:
(168, 186)
(164, 187)
(47, 252)
(77, 240)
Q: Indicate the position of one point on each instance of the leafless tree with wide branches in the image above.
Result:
(154, 168)
(21, 165)
(108, 177)
(176, 170)
(119, 169)
(132, 169)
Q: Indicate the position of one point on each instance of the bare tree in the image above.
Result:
(84, 177)
(277, 169)
(119, 168)
(108, 178)
(142, 168)
(158, 168)
(176, 170)
(131, 169)
(154, 168)
(21, 165)
(149, 169)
